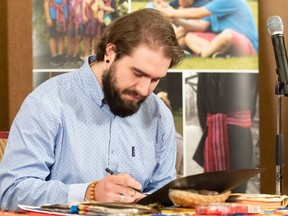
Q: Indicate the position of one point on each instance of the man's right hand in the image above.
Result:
(117, 188)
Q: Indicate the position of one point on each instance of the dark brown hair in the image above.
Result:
(144, 26)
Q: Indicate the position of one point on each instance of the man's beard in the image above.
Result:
(112, 95)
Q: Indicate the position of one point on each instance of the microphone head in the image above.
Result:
(275, 25)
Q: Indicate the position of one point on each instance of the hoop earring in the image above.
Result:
(107, 61)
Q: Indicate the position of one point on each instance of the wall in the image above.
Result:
(16, 75)
(15, 57)
(3, 68)
(267, 104)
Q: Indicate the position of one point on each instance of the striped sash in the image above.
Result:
(216, 150)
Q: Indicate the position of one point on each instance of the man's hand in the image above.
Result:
(117, 188)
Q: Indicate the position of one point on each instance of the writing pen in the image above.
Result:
(112, 173)
(109, 171)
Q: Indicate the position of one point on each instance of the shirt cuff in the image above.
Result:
(77, 192)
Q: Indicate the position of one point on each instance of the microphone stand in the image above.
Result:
(279, 147)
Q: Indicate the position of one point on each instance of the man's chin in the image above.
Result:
(125, 112)
(132, 100)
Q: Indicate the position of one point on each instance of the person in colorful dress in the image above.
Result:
(56, 14)
(93, 20)
(75, 31)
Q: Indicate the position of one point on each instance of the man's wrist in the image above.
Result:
(90, 192)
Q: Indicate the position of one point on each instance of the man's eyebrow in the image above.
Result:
(145, 74)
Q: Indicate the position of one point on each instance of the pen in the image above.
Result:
(109, 171)
(112, 173)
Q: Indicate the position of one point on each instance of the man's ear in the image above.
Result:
(111, 51)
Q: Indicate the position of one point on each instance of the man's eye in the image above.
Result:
(155, 80)
(138, 74)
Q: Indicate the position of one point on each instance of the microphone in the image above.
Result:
(276, 28)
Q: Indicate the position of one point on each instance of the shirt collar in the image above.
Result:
(89, 83)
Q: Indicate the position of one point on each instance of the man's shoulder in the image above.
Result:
(52, 87)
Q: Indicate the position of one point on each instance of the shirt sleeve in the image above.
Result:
(29, 156)
(165, 170)
(77, 192)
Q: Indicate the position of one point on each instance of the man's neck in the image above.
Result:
(98, 69)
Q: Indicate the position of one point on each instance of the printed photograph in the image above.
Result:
(221, 38)
(65, 31)
(221, 122)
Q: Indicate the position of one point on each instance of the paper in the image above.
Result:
(38, 209)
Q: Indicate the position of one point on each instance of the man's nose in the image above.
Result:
(143, 86)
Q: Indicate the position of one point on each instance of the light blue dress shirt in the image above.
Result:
(64, 136)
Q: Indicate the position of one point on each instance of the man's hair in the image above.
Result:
(145, 26)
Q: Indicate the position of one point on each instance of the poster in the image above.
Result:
(182, 83)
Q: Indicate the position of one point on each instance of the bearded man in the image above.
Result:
(104, 115)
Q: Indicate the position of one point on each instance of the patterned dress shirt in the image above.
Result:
(64, 136)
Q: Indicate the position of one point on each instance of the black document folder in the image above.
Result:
(220, 181)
